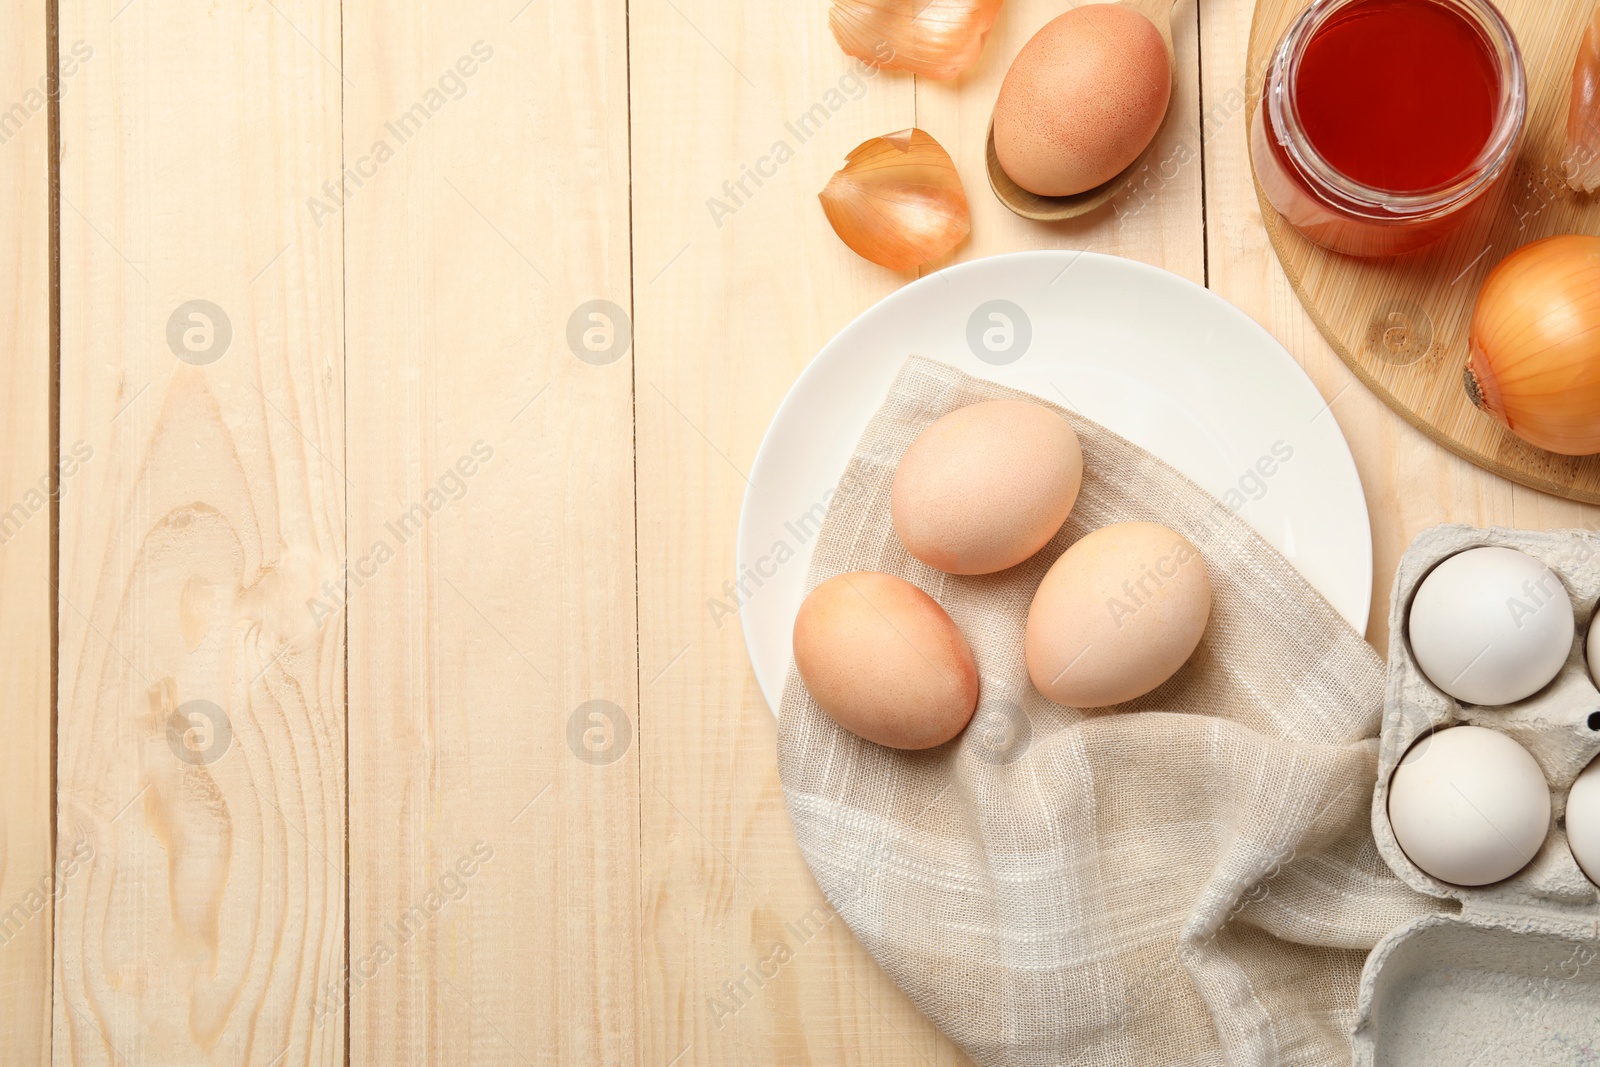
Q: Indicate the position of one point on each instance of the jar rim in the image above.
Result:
(1358, 198)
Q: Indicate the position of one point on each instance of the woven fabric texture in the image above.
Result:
(1188, 879)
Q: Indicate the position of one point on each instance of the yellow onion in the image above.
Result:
(898, 201)
(1535, 343)
(934, 38)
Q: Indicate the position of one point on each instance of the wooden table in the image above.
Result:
(385, 567)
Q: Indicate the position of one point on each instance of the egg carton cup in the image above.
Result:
(1513, 976)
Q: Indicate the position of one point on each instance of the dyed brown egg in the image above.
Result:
(1117, 615)
(884, 661)
(1082, 100)
(986, 486)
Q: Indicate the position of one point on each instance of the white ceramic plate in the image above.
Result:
(1167, 364)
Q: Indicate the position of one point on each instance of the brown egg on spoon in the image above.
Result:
(1079, 107)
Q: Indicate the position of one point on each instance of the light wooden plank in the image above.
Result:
(201, 747)
(1533, 510)
(735, 290)
(28, 881)
(1410, 482)
(496, 466)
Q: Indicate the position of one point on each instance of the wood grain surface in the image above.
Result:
(1402, 323)
(28, 884)
(200, 775)
(736, 284)
(404, 716)
(494, 807)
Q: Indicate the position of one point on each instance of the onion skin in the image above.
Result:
(931, 38)
(1581, 164)
(1535, 345)
(898, 201)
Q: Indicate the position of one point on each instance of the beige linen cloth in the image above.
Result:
(1188, 880)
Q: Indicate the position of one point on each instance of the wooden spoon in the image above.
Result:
(1055, 208)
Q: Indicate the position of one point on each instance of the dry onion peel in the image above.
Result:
(898, 201)
(1535, 343)
(934, 38)
(1581, 164)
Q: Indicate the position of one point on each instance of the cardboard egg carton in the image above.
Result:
(1513, 977)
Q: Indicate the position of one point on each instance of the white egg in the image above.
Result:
(1469, 805)
(1491, 626)
(1592, 646)
(1583, 821)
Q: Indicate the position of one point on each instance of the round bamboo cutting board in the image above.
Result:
(1401, 324)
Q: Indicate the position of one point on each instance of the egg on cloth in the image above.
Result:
(1491, 625)
(885, 661)
(1082, 100)
(1469, 805)
(1117, 615)
(986, 486)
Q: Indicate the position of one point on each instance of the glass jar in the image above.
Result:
(1345, 215)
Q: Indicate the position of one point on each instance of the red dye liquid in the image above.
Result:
(1400, 95)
